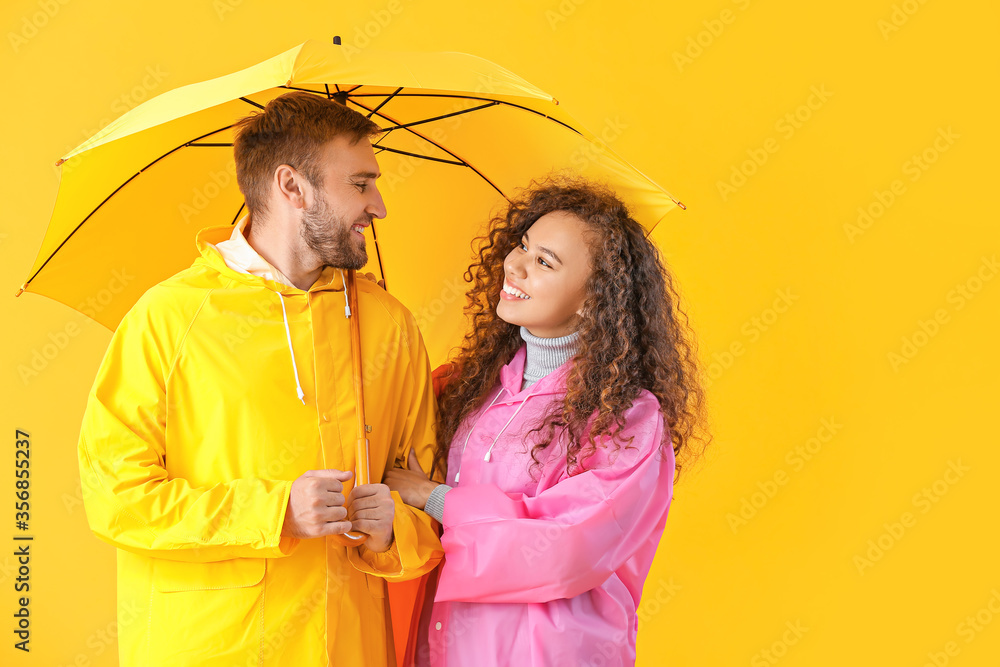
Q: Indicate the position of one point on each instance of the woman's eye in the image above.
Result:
(542, 262)
(522, 246)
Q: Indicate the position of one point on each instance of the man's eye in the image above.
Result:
(361, 186)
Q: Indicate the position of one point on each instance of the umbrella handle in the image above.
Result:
(362, 472)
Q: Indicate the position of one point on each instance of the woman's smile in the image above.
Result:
(511, 293)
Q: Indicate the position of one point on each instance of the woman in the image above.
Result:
(561, 421)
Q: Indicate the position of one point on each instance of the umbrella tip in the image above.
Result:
(59, 162)
(336, 40)
(682, 206)
(20, 290)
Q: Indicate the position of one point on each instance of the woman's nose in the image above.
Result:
(514, 267)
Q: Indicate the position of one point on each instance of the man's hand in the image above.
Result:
(412, 484)
(372, 512)
(316, 505)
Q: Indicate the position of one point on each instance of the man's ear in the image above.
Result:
(291, 186)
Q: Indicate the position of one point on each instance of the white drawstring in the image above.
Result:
(288, 334)
(488, 451)
(295, 370)
(347, 305)
(497, 437)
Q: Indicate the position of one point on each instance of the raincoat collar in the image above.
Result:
(250, 268)
(329, 279)
(512, 374)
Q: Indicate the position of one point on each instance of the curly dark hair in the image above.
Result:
(631, 330)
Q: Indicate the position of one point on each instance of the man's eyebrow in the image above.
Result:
(365, 174)
(545, 250)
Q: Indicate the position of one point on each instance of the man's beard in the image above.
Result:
(330, 238)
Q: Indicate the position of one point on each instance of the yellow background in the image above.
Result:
(814, 307)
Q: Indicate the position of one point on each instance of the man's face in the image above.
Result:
(344, 202)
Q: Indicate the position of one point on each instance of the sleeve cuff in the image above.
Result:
(382, 564)
(435, 502)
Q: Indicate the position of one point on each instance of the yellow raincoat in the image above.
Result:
(193, 433)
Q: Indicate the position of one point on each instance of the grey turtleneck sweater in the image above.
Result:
(544, 355)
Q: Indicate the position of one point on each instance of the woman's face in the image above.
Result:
(545, 276)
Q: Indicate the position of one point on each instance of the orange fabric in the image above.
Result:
(406, 597)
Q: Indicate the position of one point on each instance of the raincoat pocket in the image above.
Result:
(206, 614)
(171, 575)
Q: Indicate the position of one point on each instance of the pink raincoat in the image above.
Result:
(546, 571)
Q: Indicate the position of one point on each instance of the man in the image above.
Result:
(218, 439)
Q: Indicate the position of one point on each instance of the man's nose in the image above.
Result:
(376, 207)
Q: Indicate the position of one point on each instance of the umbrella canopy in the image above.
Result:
(461, 134)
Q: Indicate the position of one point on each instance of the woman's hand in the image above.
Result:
(412, 483)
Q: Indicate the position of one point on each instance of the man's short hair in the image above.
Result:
(290, 130)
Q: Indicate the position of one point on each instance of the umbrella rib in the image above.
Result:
(379, 140)
(455, 97)
(447, 115)
(249, 101)
(434, 143)
(378, 254)
(384, 102)
(105, 201)
(372, 111)
(242, 206)
(422, 157)
(483, 99)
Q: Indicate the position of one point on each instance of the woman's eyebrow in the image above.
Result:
(545, 250)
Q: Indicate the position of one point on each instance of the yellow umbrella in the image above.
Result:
(462, 133)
